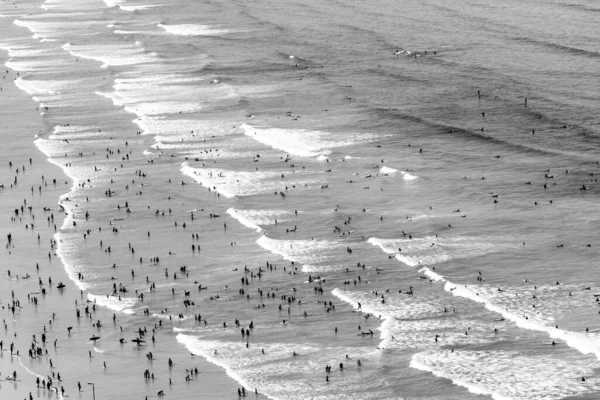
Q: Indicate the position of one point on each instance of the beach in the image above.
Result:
(298, 200)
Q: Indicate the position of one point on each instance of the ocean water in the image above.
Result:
(405, 188)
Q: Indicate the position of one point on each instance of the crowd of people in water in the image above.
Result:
(23, 218)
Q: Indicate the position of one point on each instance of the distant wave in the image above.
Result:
(559, 47)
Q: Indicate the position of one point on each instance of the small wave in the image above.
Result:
(387, 170)
(434, 250)
(39, 87)
(139, 7)
(420, 323)
(302, 143)
(582, 342)
(113, 3)
(303, 251)
(29, 371)
(113, 55)
(296, 142)
(253, 218)
(241, 183)
(172, 317)
(559, 47)
(409, 177)
(253, 368)
(507, 375)
(115, 303)
(193, 30)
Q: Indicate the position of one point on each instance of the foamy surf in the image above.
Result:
(115, 303)
(525, 318)
(506, 375)
(39, 87)
(431, 250)
(582, 342)
(303, 251)
(241, 183)
(254, 218)
(172, 318)
(140, 7)
(112, 55)
(387, 171)
(299, 143)
(407, 322)
(302, 142)
(253, 368)
(392, 171)
(193, 30)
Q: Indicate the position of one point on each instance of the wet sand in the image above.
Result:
(19, 124)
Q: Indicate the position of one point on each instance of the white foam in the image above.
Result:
(431, 275)
(74, 132)
(494, 300)
(507, 375)
(113, 3)
(115, 303)
(193, 30)
(48, 29)
(396, 307)
(303, 143)
(306, 268)
(296, 142)
(25, 51)
(240, 183)
(113, 55)
(392, 171)
(60, 129)
(167, 93)
(35, 65)
(65, 249)
(585, 343)
(163, 107)
(432, 250)
(253, 218)
(278, 374)
(68, 6)
(123, 32)
(140, 7)
(387, 170)
(41, 87)
(183, 128)
(303, 251)
(408, 177)
(172, 317)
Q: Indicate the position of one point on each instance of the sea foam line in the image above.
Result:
(115, 303)
(578, 341)
(475, 389)
(386, 319)
(191, 343)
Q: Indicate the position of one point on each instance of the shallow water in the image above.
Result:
(398, 183)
